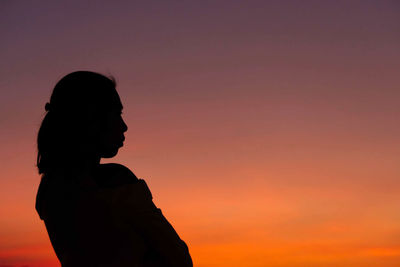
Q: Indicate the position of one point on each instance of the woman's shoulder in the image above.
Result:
(114, 175)
(123, 187)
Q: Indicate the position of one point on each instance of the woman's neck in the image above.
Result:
(86, 170)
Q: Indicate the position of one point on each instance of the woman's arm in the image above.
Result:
(163, 237)
(138, 214)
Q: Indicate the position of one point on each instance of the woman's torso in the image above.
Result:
(82, 223)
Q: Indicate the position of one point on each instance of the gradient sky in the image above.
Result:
(267, 131)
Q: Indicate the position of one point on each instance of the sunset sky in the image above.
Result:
(267, 131)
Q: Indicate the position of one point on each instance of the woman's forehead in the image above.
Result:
(112, 98)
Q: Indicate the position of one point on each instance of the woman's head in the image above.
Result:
(83, 121)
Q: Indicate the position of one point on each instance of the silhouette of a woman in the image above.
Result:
(97, 214)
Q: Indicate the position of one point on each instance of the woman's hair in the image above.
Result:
(79, 101)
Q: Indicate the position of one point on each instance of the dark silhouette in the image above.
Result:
(97, 214)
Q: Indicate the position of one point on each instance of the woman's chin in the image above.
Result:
(110, 153)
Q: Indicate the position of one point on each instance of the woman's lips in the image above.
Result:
(121, 143)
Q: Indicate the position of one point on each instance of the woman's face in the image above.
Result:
(111, 135)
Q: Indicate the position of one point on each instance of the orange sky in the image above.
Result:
(267, 131)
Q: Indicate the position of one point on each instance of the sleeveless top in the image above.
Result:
(114, 223)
